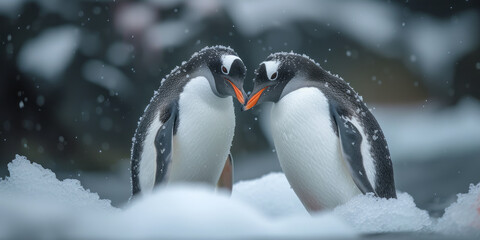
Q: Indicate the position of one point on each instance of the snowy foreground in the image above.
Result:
(34, 203)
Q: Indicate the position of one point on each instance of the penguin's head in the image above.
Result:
(228, 72)
(273, 75)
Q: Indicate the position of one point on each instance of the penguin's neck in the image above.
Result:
(204, 71)
(299, 81)
(199, 89)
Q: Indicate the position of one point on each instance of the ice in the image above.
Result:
(369, 214)
(32, 181)
(171, 213)
(366, 213)
(35, 204)
(50, 53)
(463, 216)
(254, 192)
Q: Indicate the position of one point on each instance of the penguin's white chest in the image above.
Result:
(309, 150)
(204, 134)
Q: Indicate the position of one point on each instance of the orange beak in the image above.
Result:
(252, 101)
(238, 93)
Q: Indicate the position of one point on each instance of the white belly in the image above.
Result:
(204, 135)
(309, 151)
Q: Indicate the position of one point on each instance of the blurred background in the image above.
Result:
(77, 75)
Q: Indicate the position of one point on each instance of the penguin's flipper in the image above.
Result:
(350, 142)
(163, 142)
(226, 178)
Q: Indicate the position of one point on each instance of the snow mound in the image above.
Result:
(31, 181)
(195, 211)
(463, 216)
(370, 214)
(270, 194)
(195, 208)
(35, 204)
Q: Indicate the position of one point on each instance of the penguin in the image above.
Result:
(329, 145)
(186, 131)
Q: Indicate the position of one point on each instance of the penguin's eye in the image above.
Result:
(224, 70)
(274, 76)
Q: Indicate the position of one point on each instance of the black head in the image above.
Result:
(228, 71)
(278, 70)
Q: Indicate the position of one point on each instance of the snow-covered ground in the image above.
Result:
(34, 203)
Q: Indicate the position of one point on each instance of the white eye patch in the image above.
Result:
(227, 61)
(271, 67)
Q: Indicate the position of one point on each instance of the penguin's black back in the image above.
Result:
(352, 105)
